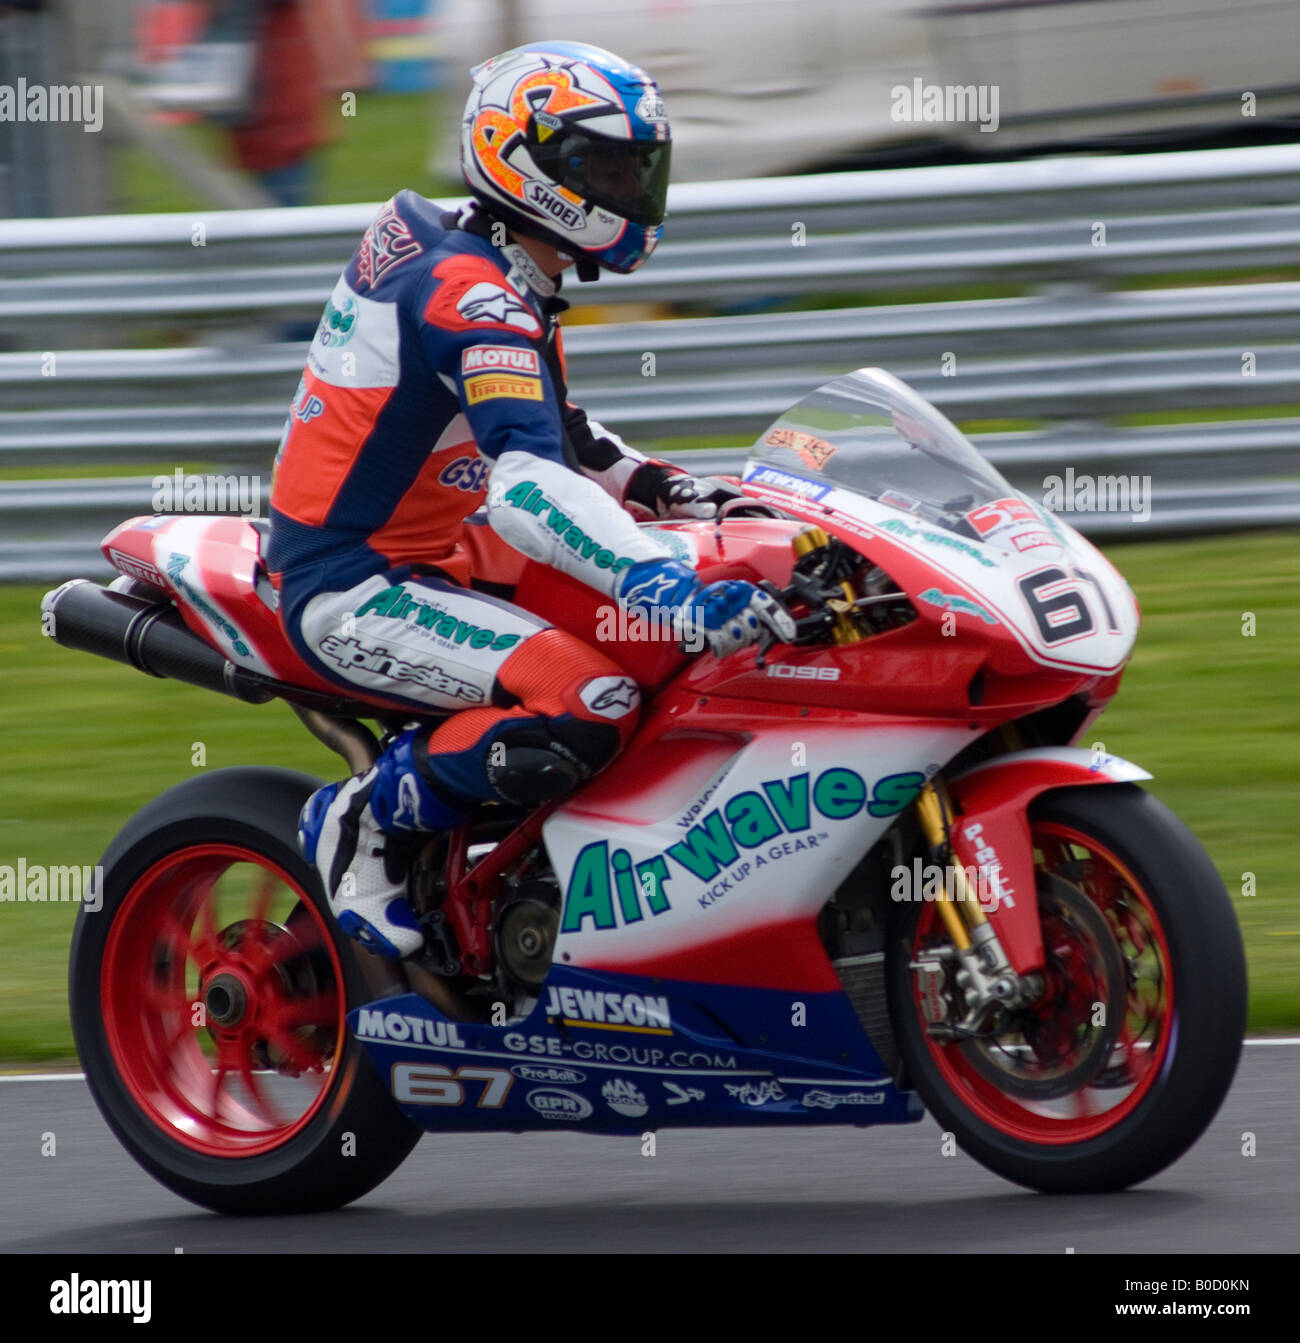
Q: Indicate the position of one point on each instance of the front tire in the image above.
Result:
(208, 999)
(1066, 1098)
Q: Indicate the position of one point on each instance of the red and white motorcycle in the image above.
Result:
(835, 881)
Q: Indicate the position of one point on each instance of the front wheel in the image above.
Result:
(1125, 1057)
(208, 998)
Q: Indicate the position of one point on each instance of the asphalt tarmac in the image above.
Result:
(817, 1190)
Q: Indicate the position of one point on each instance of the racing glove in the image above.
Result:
(728, 615)
(665, 491)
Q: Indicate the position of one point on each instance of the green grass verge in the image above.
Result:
(382, 148)
(1213, 714)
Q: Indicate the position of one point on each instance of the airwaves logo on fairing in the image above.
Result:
(175, 568)
(605, 886)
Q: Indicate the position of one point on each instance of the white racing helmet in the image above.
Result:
(569, 143)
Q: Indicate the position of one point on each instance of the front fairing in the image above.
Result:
(869, 458)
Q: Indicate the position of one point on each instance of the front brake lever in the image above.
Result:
(765, 642)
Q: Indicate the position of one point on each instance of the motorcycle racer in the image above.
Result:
(436, 383)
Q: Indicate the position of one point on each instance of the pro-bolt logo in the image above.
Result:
(609, 887)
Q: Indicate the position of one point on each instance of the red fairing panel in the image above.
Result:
(991, 831)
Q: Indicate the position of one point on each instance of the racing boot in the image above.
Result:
(344, 830)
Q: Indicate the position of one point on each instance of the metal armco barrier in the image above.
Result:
(1120, 300)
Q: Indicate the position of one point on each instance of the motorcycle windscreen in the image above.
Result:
(871, 434)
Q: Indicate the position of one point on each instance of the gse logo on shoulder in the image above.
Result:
(466, 473)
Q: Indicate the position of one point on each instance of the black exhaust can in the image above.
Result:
(145, 633)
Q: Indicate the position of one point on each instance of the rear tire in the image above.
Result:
(1176, 1038)
(204, 1108)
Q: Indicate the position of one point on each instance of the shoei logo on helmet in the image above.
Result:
(543, 198)
(547, 125)
(651, 107)
(507, 100)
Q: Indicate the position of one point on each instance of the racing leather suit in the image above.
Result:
(436, 380)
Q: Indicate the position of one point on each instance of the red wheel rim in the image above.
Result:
(1142, 1046)
(216, 985)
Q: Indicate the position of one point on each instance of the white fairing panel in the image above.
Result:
(764, 839)
(179, 549)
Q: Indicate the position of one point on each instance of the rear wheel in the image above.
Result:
(1125, 1057)
(209, 996)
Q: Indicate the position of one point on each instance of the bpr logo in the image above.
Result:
(556, 1103)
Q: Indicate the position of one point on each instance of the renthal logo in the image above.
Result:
(790, 672)
(543, 198)
(611, 1011)
(500, 356)
(399, 1026)
(354, 655)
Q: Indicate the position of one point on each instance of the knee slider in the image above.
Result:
(530, 776)
(542, 762)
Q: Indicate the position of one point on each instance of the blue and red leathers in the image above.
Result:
(436, 370)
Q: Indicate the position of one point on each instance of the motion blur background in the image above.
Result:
(1073, 224)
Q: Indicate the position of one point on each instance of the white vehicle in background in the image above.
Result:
(755, 87)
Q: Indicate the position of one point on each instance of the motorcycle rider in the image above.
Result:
(436, 380)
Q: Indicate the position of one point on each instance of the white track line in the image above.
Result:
(81, 1077)
(42, 1077)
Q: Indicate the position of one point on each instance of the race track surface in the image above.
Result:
(874, 1190)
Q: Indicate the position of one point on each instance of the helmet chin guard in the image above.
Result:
(570, 144)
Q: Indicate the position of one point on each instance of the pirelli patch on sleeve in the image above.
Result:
(489, 386)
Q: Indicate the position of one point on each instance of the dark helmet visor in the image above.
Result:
(629, 177)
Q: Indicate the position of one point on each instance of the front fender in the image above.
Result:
(990, 832)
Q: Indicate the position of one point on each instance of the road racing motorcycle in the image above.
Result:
(845, 879)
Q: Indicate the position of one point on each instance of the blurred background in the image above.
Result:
(1074, 226)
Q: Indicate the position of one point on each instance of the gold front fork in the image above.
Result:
(982, 971)
(844, 630)
(962, 915)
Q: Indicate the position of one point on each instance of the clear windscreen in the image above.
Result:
(869, 433)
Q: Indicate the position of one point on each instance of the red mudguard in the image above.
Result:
(990, 831)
